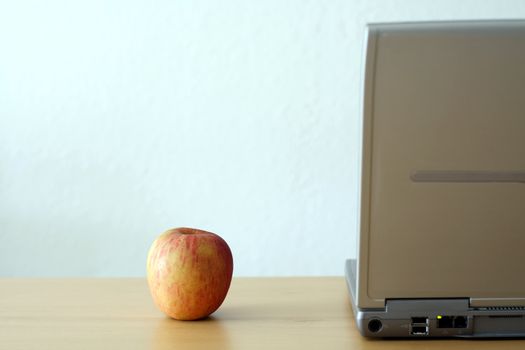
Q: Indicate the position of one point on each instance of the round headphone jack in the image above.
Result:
(375, 325)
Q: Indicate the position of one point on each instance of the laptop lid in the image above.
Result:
(443, 170)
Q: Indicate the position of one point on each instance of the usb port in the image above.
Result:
(419, 325)
(419, 330)
(419, 320)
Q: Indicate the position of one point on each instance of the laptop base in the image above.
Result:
(431, 318)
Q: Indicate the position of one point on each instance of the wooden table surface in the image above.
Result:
(259, 313)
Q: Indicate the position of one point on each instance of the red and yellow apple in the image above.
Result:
(189, 272)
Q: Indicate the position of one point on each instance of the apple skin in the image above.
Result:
(189, 272)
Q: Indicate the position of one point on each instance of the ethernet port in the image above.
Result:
(445, 322)
(460, 322)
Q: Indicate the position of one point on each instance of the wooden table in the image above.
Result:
(259, 313)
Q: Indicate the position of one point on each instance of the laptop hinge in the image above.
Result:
(404, 305)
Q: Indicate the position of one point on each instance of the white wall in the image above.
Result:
(120, 119)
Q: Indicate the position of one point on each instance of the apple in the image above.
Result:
(189, 272)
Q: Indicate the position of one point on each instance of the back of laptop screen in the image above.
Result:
(447, 134)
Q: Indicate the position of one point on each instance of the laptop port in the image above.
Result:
(460, 322)
(419, 320)
(419, 330)
(445, 322)
(419, 326)
(452, 322)
(375, 325)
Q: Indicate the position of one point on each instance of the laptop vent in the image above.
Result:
(505, 308)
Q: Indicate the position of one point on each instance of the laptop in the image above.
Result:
(441, 238)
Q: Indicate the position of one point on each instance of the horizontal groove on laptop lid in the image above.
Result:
(467, 176)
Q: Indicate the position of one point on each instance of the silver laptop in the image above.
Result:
(441, 243)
